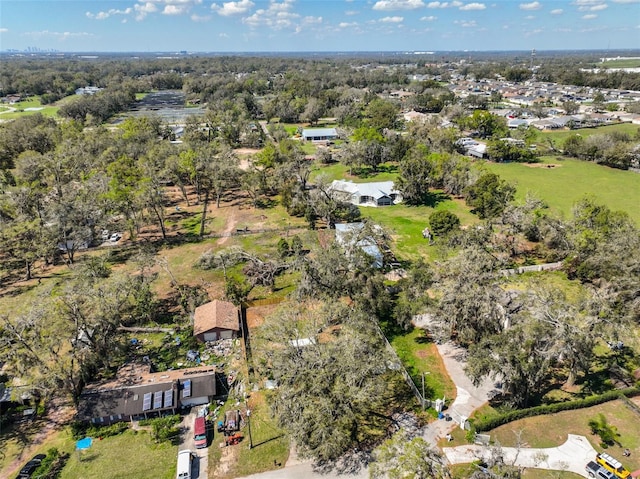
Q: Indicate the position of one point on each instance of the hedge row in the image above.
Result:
(482, 425)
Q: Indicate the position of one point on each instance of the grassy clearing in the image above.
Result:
(559, 136)
(622, 63)
(555, 279)
(420, 355)
(406, 223)
(463, 471)
(551, 430)
(17, 438)
(131, 454)
(30, 107)
(563, 185)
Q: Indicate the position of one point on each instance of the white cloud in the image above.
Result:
(348, 24)
(531, 6)
(223, 35)
(200, 18)
(466, 24)
(625, 1)
(143, 9)
(277, 16)
(592, 8)
(387, 5)
(175, 9)
(233, 8)
(443, 4)
(392, 19)
(108, 13)
(350, 13)
(430, 18)
(590, 16)
(557, 11)
(530, 17)
(473, 6)
(582, 3)
(4, 30)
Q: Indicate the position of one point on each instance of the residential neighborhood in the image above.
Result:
(365, 265)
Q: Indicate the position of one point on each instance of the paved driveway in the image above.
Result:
(572, 456)
(199, 469)
(468, 396)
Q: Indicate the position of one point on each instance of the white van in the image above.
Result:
(185, 458)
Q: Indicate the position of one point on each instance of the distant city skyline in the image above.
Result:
(318, 25)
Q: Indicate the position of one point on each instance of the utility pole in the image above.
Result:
(423, 400)
(249, 425)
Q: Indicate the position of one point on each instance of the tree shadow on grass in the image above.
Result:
(433, 198)
(268, 440)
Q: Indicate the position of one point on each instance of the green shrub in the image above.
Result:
(107, 431)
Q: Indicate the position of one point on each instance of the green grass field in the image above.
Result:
(551, 430)
(29, 107)
(131, 454)
(559, 136)
(565, 184)
(405, 224)
(622, 63)
(420, 355)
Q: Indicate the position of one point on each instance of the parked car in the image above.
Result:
(105, 235)
(596, 471)
(115, 237)
(29, 468)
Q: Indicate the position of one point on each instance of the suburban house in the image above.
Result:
(88, 90)
(137, 393)
(380, 193)
(348, 234)
(216, 320)
(319, 134)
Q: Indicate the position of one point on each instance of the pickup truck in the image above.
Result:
(596, 471)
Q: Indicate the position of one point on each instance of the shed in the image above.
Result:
(216, 320)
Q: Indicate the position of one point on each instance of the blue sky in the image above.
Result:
(318, 25)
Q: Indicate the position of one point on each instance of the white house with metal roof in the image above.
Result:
(379, 193)
(319, 134)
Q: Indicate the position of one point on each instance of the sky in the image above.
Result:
(317, 25)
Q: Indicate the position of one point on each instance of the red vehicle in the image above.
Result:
(200, 433)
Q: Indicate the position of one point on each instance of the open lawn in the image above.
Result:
(551, 430)
(405, 223)
(420, 355)
(559, 136)
(569, 180)
(621, 63)
(463, 471)
(131, 454)
(29, 107)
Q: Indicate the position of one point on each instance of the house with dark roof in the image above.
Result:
(216, 320)
(136, 393)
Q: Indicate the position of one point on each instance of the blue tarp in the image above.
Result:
(84, 443)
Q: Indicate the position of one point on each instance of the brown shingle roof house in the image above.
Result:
(216, 320)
